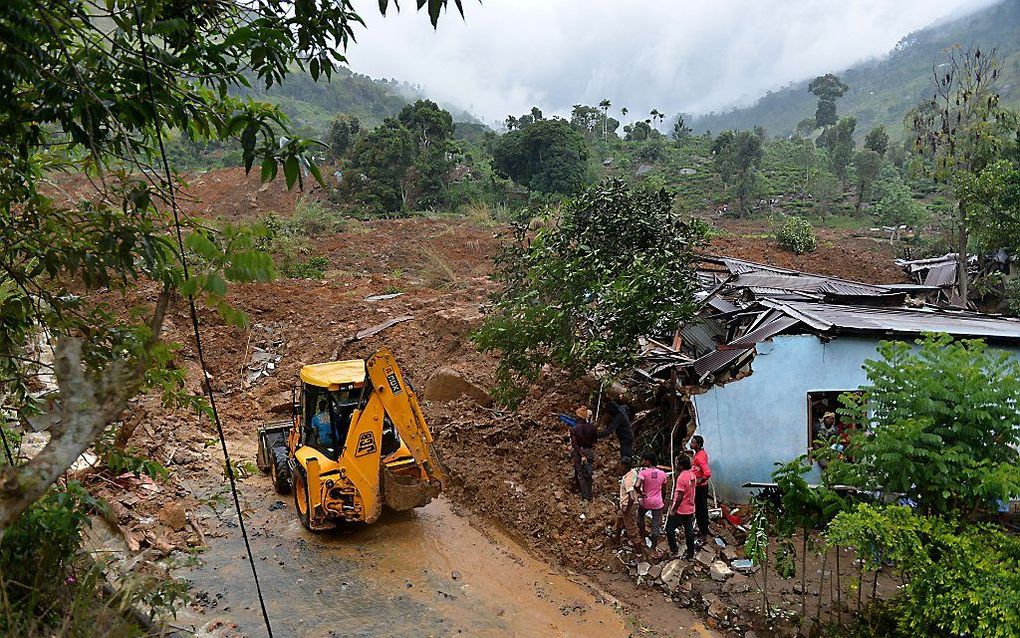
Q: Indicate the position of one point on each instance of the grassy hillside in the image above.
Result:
(882, 91)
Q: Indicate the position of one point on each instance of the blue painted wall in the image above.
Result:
(751, 424)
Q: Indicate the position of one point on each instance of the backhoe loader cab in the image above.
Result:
(356, 440)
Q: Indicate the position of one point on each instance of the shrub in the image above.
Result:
(960, 579)
(1013, 296)
(311, 268)
(941, 421)
(51, 588)
(796, 235)
(312, 218)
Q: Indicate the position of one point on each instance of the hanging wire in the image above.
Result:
(195, 325)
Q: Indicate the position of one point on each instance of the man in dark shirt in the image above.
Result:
(582, 452)
(619, 422)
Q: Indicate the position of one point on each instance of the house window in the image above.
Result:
(820, 404)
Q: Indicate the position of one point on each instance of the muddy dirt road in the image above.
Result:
(423, 573)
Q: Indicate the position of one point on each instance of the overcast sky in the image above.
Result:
(675, 55)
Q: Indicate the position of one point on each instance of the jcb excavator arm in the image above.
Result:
(400, 404)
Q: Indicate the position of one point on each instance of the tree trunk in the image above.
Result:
(961, 255)
(155, 325)
(87, 406)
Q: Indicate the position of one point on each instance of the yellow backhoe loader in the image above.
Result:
(356, 440)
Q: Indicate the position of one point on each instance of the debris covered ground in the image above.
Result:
(510, 469)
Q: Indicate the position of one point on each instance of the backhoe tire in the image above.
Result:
(301, 502)
(279, 469)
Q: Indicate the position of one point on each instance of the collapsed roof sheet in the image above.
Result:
(726, 354)
(941, 275)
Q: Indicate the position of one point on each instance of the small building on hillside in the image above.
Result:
(772, 350)
(804, 356)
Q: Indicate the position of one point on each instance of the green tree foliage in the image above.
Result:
(827, 88)
(343, 132)
(613, 267)
(738, 157)
(593, 122)
(796, 235)
(995, 195)
(430, 125)
(943, 425)
(895, 203)
(877, 140)
(867, 166)
(404, 163)
(942, 430)
(1013, 296)
(823, 188)
(838, 141)
(524, 121)
(680, 130)
(640, 131)
(548, 156)
(959, 579)
(380, 161)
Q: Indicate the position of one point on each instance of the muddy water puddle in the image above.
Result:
(423, 573)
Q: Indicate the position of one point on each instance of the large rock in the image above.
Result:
(706, 556)
(173, 516)
(447, 384)
(671, 572)
(720, 571)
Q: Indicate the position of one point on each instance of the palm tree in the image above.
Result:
(604, 105)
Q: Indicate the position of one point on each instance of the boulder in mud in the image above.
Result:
(447, 384)
(173, 516)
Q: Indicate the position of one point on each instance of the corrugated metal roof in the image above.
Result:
(910, 321)
(715, 361)
(767, 331)
(703, 334)
(741, 266)
(722, 304)
(941, 275)
(806, 283)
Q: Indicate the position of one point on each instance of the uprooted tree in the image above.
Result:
(613, 266)
(93, 86)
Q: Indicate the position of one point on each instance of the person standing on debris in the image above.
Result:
(681, 508)
(582, 450)
(619, 422)
(699, 465)
(626, 518)
(651, 480)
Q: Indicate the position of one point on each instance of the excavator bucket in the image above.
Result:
(403, 489)
(402, 492)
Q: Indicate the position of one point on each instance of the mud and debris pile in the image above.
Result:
(510, 468)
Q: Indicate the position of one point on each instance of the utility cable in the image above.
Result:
(195, 325)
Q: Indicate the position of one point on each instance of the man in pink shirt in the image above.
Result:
(652, 480)
(681, 509)
(701, 470)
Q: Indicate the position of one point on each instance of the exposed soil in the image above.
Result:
(509, 468)
(838, 254)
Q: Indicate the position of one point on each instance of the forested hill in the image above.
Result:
(311, 105)
(882, 91)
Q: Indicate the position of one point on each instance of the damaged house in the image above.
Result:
(772, 349)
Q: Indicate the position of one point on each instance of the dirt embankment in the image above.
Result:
(508, 467)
